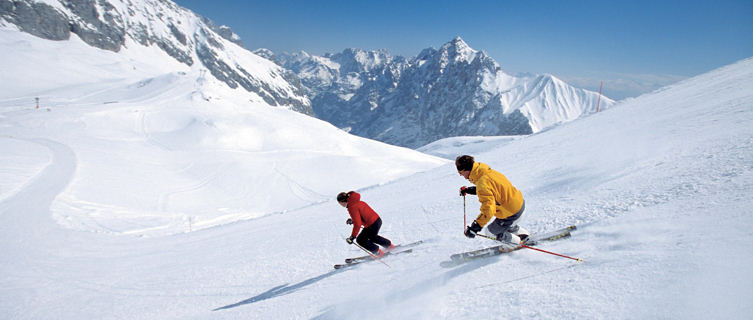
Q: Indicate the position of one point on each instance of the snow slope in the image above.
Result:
(188, 152)
(659, 187)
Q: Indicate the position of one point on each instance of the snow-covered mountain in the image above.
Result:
(453, 91)
(181, 35)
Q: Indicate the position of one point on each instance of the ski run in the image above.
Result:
(130, 195)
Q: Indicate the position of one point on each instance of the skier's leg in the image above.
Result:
(382, 241)
(500, 228)
(375, 237)
(369, 236)
(507, 230)
(364, 240)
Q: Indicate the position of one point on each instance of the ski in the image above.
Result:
(463, 257)
(369, 259)
(397, 247)
(556, 234)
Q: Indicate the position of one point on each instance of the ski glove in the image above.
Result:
(467, 190)
(349, 221)
(472, 230)
(349, 240)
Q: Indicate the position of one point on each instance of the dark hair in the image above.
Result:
(343, 197)
(464, 163)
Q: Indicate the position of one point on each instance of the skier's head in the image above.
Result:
(464, 163)
(343, 197)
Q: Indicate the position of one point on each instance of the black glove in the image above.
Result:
(349, 240)
(467, 190)
(349, 221)
(472, 230)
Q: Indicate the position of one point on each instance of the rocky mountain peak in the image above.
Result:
(179, 33)
(451, 91)
(458, 50)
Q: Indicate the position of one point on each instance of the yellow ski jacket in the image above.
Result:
(498, 197)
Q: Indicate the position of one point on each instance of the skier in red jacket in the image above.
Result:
(362, 215)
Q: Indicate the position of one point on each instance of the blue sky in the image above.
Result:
(633, 46)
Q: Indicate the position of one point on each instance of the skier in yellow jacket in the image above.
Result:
(499, 199)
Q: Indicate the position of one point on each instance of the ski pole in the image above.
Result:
(371, 254)
(532, 248)
(552, 253)
(464, 223)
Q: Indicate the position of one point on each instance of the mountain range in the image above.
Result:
(451, 91)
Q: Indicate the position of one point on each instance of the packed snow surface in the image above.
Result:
(164, 198)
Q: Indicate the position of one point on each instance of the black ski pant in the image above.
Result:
(369, 237)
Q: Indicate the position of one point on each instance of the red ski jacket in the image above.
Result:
(360, 213)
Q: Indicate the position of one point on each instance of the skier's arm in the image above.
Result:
(356, 218)
(467, 190)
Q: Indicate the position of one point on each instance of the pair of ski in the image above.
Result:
(468, 256)
(400, 248)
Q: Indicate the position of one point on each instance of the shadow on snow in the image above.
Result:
(281, 290)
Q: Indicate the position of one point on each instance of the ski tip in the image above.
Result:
(580, 260)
